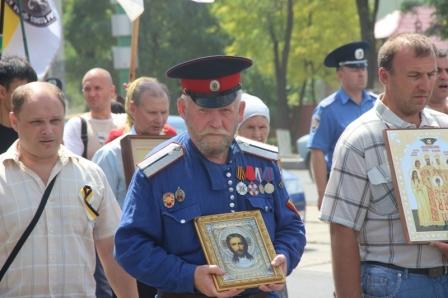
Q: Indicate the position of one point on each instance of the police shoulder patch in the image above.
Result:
(161, 159)
(327, 101)
(257, 148)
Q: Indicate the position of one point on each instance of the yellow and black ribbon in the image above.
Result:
(87, 195)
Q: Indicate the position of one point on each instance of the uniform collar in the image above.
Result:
(344, 97)
(393, 121)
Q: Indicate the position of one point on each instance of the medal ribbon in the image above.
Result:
(268, 174)
(240, 173)
(250, 173)
(258, 174)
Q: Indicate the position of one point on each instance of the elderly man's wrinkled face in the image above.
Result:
(211, 129)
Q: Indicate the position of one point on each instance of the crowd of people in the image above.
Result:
(72, 225)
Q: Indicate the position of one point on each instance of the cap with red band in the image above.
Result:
(211, 81)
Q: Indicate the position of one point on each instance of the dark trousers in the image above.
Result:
(103, 289)
(145, 291)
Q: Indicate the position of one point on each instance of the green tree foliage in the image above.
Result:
(88, 42)
(170, 32)
(441, 13)
(260, 31)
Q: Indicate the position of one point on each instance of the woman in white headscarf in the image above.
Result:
(255, 123)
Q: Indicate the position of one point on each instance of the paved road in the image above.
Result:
(313, 277)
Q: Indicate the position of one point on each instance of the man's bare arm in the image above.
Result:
(320, 173)
(121, 282)
(346, 261)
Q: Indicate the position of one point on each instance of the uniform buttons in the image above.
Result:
(232, 197)
(232, 205)
(230, 182)
(230, 189)
(266, 208)
(182, 221)
(228, 175)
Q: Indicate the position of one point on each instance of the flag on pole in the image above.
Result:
(133, 8)
(42, 27)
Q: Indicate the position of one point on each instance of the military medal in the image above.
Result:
(269, 188)
(168, 199)
(179, 194)
(268, 176)
(241, 188)
(252, 188)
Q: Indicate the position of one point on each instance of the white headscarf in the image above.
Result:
(254, 107)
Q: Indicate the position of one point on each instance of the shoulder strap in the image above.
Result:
(28, 229)
(84, 136)
(257, 148)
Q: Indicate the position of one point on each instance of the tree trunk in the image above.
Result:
(281, 68)
(367, 19)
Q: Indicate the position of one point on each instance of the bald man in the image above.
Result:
(85, 134)
(99, 91)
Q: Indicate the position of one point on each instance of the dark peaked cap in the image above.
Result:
(211, 81)
(352, 55)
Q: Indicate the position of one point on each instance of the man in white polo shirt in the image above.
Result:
(80, 214)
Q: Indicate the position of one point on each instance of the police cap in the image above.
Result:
(349, 55)
(212, 81)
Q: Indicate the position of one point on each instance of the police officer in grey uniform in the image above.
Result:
(203, 172)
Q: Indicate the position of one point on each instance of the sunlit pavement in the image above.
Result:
(313, 277)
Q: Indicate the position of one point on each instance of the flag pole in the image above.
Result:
(2, 24)
(134, 49)
(22, 26)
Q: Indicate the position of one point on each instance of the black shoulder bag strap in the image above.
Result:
(84, 136)
(28, 229)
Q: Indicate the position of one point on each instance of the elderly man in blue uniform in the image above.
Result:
(203, 172)
(336, 111)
